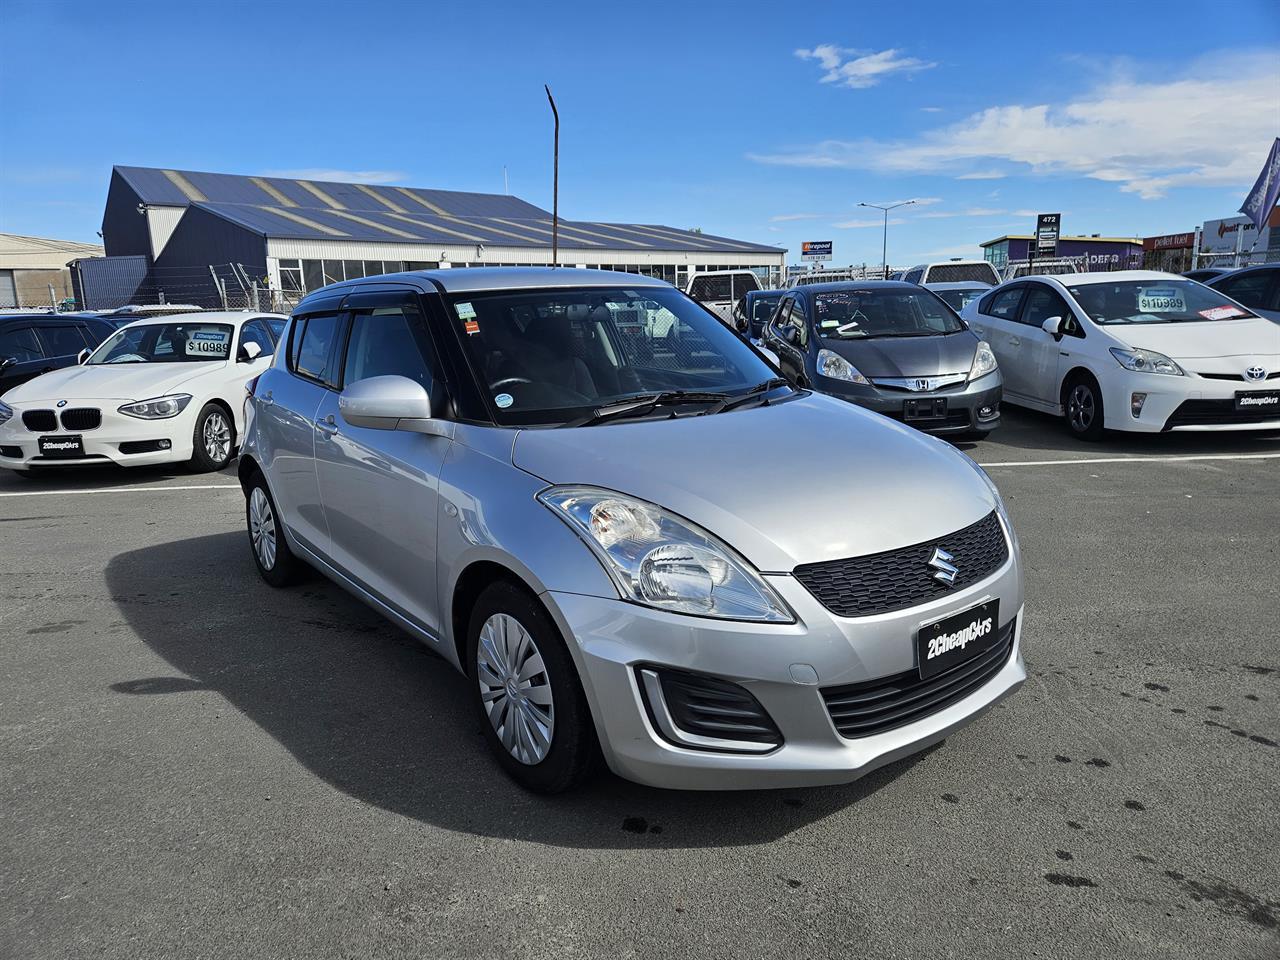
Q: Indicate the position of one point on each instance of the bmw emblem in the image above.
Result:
(1256, 373)
(62, 403)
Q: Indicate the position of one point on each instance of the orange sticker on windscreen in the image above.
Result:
(471, 326)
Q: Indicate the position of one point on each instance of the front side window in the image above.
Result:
(62, 339)
(1159, 300)
(892, 312)
(20, 343)
(549, 356)
(1043, 303)
(1247, 288)
(384, 342)
(167, 343)
(762, 309)
(255, 331)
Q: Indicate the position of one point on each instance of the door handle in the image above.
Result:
(327, 426)
(265, 399)
(1015, 342)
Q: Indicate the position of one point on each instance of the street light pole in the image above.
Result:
(884, 246)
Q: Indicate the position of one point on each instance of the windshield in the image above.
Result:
(550, 356)
(959, 298)
(1172, 300)
(167, 343)
(858, 314)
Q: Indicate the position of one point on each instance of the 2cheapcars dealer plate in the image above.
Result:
(69, 446)
(948, 642)
(1258, 401)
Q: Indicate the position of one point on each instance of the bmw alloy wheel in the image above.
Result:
(515, 688)
(1081, 408)
(217, 437)
(262, 528)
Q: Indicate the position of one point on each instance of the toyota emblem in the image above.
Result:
(1256, 373)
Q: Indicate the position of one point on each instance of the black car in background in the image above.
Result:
(35, 343)
(1257, 288)
(756, 308)
(894, 347)
(1205, 274)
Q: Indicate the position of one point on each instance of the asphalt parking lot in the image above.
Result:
(194, 765)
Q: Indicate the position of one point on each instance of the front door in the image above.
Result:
(21, 356)
(1037, 371)
(380, 488)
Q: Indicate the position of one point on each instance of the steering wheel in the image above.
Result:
(508, 380)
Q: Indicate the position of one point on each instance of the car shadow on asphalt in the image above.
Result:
(375, 714)
(52, 479)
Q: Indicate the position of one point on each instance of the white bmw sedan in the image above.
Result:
(161, 390)
(1132, 350)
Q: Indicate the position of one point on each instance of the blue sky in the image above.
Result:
(764, 121)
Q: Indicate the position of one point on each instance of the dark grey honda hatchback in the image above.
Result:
(893, 347)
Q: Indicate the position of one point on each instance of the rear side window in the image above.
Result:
(744, 284)
(1003, 304)
(19, 343)
(61, 339)
(312, 347)
(1247, 288)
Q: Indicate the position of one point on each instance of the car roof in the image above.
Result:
(958, 285)
(234, 317)
(767, 293)
(476, 279)
(838, 285)
(1113, 276)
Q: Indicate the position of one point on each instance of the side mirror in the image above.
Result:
(1053, 327)
(250, 352)
(791, 335)
(81, 357)
(7, 362)
(390, 403)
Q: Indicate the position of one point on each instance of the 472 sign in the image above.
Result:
(1047, 229)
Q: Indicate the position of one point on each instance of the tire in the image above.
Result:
(213, 440)
(1082, 408)
(276, 563)
(545, 739)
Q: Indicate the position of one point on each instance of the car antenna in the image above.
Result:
(555, 183)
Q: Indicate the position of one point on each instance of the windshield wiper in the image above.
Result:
(644, 403)
(755, 393)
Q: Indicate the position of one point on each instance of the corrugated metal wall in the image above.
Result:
(104, 283)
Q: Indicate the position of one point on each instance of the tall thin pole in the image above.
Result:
(555, 183)
(884, 247)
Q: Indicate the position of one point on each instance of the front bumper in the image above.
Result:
(973, 405)
(1189, 403)
(20, 447)
(785, 667)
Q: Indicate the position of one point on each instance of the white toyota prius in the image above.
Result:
(160, 390)
(1132, 350)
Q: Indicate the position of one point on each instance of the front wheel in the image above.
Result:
(1082, 408)
(212, 440)
(531, 705)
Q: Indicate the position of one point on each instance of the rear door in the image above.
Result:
(380, 488)
(996, 322)
(288, 399)
(1036, 374)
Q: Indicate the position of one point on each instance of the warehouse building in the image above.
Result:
(33, 270)
(1092, 252)
(204, 236)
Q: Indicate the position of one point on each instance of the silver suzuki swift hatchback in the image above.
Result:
(630, 535)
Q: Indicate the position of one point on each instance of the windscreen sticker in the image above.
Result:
(208, 343)
(504, 400)
(825, 324)
(1223, 313)
(465, 311)
(471, 326)
(1161, 300)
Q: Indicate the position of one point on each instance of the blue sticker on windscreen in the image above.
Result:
(504, 400)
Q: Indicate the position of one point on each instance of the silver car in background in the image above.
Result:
(638, 546)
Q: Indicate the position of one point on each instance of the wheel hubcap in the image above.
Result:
(1080, 407)
(515, 688)
(217, 437)
(262, 528)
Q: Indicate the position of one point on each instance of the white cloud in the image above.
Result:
(780, 218)
(970, 212)
(858, 224)
(982, 175)
(860, 68)
(1209, 126)
(338, 176)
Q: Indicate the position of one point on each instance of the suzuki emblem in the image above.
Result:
(944, 570)
(1256, 373)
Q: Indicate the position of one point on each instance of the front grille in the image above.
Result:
(1239, 376)
(710, 707)
(1216, 412)
(42, 420)
(81, 418)
(865, 709)
(897, 579)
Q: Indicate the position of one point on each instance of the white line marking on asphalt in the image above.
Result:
(56, 493)
(1195, 456)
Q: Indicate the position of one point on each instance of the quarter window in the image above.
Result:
(313, 348)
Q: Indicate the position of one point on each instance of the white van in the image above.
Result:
(952, 271)
(719, 290)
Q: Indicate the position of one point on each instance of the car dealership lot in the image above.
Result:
(194, 765)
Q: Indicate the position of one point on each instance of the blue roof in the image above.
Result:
(325, 210)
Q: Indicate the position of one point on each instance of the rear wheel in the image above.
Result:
(1082, 407)
(213, 439)
(532, 708)
(271, 554)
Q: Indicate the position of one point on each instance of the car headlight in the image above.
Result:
(995, 493)
(662, 561)
(836, 367)
(984, 361)
(1146, 361)
(161, 408)
(6, 412)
